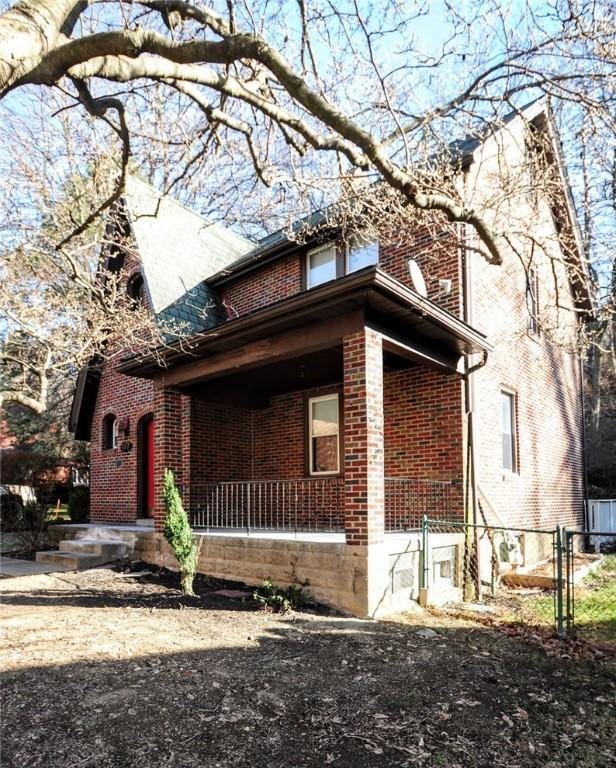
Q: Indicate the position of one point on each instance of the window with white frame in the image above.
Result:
(362, 252)
(508, 430)
(321, 265)
(324, 435)
(110, 432)
(532, 301)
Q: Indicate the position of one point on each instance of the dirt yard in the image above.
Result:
(108, 671)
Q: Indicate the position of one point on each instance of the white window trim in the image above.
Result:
(532, 302)
(324, 247)
(312, 400)
(514, 432)
(349, 250)
(114, 432)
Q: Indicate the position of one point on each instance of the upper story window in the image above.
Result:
(324, 263)
(510, 459)
(362, 252)
(324, 435)
(110, 432)
(136, 288)
(321, 265)
(532, 301)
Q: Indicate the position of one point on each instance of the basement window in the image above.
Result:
(110, 432)
(324, 435)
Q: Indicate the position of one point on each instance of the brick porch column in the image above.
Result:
(363, 438)
(171, 427)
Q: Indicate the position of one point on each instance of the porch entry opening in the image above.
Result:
(146, 466)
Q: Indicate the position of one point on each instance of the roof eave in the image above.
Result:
(274, 318)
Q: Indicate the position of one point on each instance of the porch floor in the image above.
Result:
(313, 536)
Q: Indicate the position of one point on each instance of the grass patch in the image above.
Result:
(594, 604)
(595, 601)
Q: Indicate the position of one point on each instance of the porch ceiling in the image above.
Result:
(317, 369)
(316, 321)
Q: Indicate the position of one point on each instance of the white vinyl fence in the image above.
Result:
(602, 518)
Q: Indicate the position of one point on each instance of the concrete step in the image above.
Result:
(109, 548)
(71, 561)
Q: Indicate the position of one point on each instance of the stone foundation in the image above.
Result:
(356, 580)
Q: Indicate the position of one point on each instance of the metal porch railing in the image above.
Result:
(310, 504)
(408, 499)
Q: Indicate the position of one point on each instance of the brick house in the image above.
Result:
(326, 401)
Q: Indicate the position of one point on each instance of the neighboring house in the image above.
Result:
(328, 404)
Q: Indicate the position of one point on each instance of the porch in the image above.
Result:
(332, 419)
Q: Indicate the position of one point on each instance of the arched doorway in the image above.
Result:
(146, 466)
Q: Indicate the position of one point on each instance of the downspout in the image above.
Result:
(471, 483)
(469, 390)
(584, 448)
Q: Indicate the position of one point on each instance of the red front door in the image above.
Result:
(148, 467)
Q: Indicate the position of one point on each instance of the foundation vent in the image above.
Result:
(404, 569)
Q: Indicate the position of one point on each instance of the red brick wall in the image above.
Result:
(424, 423)
(547, 487)
(172, 426)
(423, 435)
(281, 279)
(238, 444)
(438, 260)
(114, 474)
(264, 286)
(220, 443)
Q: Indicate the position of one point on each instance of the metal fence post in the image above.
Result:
(569, 570)
(424, 553)
(559, 582)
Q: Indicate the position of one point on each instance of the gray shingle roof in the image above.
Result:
(197, 310)
(178, 249)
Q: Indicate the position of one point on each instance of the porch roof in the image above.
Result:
(313, 320)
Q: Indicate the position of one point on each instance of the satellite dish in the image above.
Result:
(419, 284)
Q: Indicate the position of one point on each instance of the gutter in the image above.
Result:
(584, 447)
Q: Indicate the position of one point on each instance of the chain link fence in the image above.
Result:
(590, 585)
(540, 578)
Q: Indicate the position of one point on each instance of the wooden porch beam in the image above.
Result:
(283, 346)
(418, 353)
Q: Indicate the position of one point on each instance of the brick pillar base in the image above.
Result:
(364, 486)
(171, 425)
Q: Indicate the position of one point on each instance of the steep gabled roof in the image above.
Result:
(178, 249)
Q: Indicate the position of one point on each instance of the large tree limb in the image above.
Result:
(177, 61)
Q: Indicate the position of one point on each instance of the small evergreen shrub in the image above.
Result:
(279, 599)
(179, 534)
(79, 505)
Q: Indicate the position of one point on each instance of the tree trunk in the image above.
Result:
(186, 581)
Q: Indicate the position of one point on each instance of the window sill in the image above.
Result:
(508, 476)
